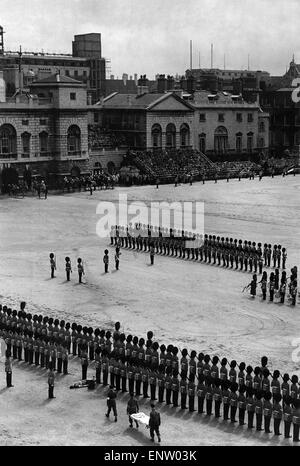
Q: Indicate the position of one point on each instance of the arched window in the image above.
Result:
(156, 135)
(44, 143)
(111, 168)
(202, 142)
(184, 135)
(8, 141)
(239, 142)
(221, 140)
(25, 144)
(74, 140)
(250, 142)
(171, 135)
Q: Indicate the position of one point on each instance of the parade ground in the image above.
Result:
(190, 304)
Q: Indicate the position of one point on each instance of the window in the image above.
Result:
(74, 140)
(221, 117)
(184, 135)
(44, 139)
(202, 142)
(250, 117)
(84, 73)
(72, 95)
(250, 142)
(156, 133)
(261, 142)
(96, 117)
(261, 127)
(76, 73)
(25, 145)
(25, 122)
(67, 72)
(8, 140)
(171, 135)
(239, 117)
(43, 122)
(221, 140)
(202, 117)
(239, 142)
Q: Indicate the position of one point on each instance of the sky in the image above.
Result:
(153, 36)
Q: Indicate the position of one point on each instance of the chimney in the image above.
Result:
(170, 82)
(135, 79)
(142, 90)
(161, 83)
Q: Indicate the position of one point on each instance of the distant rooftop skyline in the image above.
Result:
(153, 36)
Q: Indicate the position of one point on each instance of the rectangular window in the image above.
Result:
(221, 117)
(96, 117)
(25, 122)
(67, 72)
(76, 73)
(239, 117)
(43, 122)
(72, 95)
(250, 117)
(202, 117)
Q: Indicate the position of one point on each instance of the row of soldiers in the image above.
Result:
(212, 249)
(277, 287)
(240, 390)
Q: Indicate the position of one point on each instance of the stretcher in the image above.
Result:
(141, 417)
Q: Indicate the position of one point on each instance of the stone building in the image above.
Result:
(46, 130)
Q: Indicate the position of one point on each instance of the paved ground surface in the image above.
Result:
(192, 305)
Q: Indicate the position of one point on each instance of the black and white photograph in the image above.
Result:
(149, 226)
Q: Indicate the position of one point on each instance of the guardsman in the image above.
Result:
(191, 392)
(168, 384)
(192, 364)
(287, 416)
(236, 254)
(263, 282)
(130, 376)
(285, 387)
(8, 368)
(249, 377)
(267, 409)
(138, 378)
(294, 387)
(284, 257)
(252, 285)
(183, 390)
(265, 253)
(269, 255)
(233, 401)
(68, 267)
(117, 258)
(152, 381)
(106, 261)
(117, 372)
(250, 406)
(258, 394)
(276, 279)
(161, 382)
(152, 253)
(214, 370)
(223, 370)
(201, 392)
(80, 269)
(74, 335)
(278, 256)
(241, 374)
(282, 290)
(19, 344)
(200, 364)
(30, 347)
(296, 420)
(260, 263)
(145, 379)
(206, 367)
(275, 384)
(84, 361)
(47, 352)
(241, 255)
(232, 372)
(105, 366)
(209, 395)
(59, 352)
(257, 385)
(226, 398)
(112, 234)
(175, 388)
(217, 396)
(148, 353)
(246, 255)
(67, 336)
(36, 349)
(274, 255)
(272, 286)
(242, 404)
(141, 351)
(51, 378)
(277, 413)
(98, 364)
(128, 348)
(134, 349)
(65, 357)
(52, 264)
(42, 351)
